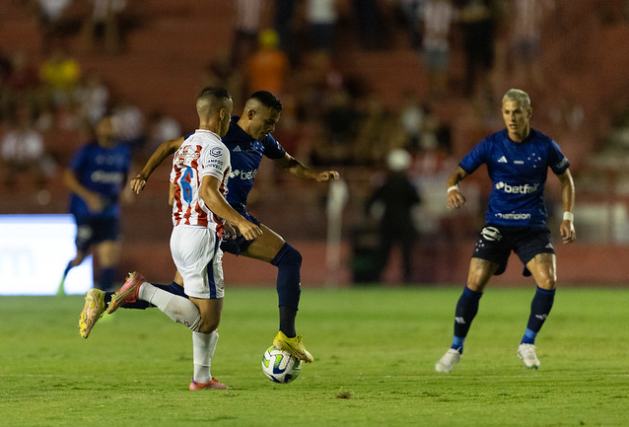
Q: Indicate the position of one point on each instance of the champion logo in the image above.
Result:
(503, 159)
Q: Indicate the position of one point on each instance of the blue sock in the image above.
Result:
(466, 309)
(68, 268)
(540, 308)
(288, 263)
(106, 281)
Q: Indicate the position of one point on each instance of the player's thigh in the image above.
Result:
(481, 270)
(210, 310)
(543, 267)
(265, 246)
(108, 253)
(198, 259)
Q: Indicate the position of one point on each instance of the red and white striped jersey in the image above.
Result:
(201, 154)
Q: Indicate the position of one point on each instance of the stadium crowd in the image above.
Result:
(468, 51)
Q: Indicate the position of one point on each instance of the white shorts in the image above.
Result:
(198, 257)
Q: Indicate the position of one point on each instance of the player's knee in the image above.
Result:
(208, 325)
(548, 283)
(288, 257)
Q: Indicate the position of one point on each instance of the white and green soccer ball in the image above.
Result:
(280, 366)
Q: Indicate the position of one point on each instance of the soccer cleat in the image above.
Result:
(92, 311)
(293, 346)
(214, 384)
(447, 362)
(526, 352)
(127, 293)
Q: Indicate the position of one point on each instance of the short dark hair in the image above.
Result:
(216, 92)
(267, 99)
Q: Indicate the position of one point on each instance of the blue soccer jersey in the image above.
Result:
(246, 155)
(518, 172)
(103, 171)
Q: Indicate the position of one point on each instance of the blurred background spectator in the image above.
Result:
(392, 204)
(267, 68)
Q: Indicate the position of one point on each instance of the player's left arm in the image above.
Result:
(568, 234)
(164, 150)
(298, 169)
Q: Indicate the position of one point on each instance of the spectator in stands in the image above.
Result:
(412, 120)
(393, 202)
(21, 84)
(23, 153)
(369, 23)
(526, 26)
(377, 133)
(128, 121)
(341, 123)
(93, 98)
(478, 27)
(104, 21)
(60, 75)
(283, 25)
(160, 128)
(52, 22)
(246, 30)
(267, 68)
(437, 18)
(412, 10)
(321, 16)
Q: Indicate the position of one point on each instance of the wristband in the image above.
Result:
(568, 216)
(454, 187)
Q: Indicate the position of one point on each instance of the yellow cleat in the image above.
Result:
(293, 346)
(92, 311)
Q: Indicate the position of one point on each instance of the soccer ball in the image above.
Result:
(280, 366)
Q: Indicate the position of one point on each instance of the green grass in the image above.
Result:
(375, 349)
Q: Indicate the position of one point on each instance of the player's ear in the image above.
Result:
(222, 113)
(251, 113)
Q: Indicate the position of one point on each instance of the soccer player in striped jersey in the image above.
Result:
(200, 214)
(248, 139)
(517, 160)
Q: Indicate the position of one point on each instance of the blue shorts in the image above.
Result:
(495, 244)
(91, 231)
(239, 244)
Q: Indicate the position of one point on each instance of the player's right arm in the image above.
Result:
(456, 200)
(216, 202)
(164, 150)
(93, 200)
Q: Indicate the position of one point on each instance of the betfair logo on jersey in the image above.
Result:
(517, 189)
(244, 175)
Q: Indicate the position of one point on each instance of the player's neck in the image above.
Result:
(520, 136)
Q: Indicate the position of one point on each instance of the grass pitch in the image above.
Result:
(375, 350)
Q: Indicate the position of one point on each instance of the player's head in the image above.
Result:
(214, 107)
(516, 112)
(106, 132)
(261, 114)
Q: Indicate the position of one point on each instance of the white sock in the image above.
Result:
(203, 347)
(179, 309)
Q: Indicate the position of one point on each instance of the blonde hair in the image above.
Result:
(518, 95)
